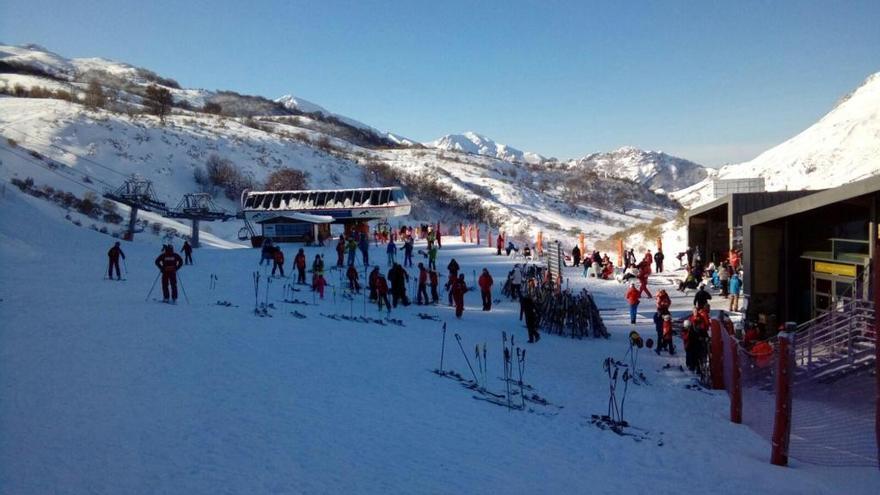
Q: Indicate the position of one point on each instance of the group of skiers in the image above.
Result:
(168, 263)
(725, 276)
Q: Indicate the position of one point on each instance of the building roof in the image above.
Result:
(739, 204)
(817, 200)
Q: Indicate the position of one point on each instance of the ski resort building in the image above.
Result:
(292, 216)
(812, 255)
(716, 227)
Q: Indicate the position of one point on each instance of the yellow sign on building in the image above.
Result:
(835, 268)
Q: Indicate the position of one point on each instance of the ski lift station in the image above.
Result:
(294, 216)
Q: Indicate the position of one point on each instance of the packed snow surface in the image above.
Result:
(104, 390)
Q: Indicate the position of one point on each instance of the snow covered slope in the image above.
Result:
(843, 146)
(653, 169)
(476, 144)
(106, 146)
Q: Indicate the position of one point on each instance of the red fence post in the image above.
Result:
(782, 420)
(736, 398)
(716, 362)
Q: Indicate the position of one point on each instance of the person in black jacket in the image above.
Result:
(168, 263)
(527, 309)
(576, 256)
(658, 260)
(397, 277)
(113, 255)
(187, 253)
(702, 297)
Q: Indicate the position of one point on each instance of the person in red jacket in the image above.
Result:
(353, 283)
(113, 255)
(320, 282)
(434, 282)
(457, 291)
(632, 297)
(644, 271)
(299, 262)
(663, 302)
(499, 243)
(422, 295)
(278, 257)
(168, 263)
(340, 250)
(485, 282)
(649, 260)
(382, 292)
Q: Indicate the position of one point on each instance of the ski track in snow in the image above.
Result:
(103, 392)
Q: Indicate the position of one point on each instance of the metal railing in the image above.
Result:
(836, 340)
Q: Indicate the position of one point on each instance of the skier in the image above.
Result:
(364, 246)
(397, 277)
(665, 341)
(434, 279)
(340, 250)
(485, 282)
(644, 270)
(113, 254)
(168, 263)
(351, 246)
(658, 260)
(457, 292)
(630, 257)
(510, 247)
(663, 302)
(702, 297)
(267, 252)
(422, 294)
(278, 257)
(392, 252)
(527, 310)
(576, 256)
(453, 269)
(299, 262)
(632, 297)
(317, 269)
(320, 283)
(408, 246)
(352, 275)
(431, 237)
(648, 260)
(382, 291)
(499, 243)
(516, 282)
(437, 231)
(432, 258)
(187, 253)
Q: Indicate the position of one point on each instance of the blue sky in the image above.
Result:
(715, 82)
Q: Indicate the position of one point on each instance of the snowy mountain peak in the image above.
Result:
(478, 144)
(653, 169)
(841, 147)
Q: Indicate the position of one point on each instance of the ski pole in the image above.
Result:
(153, 287)
(458, 338)
(507, 374)
(479, 361)
(183, 289)
(125, 266)
(443, 347)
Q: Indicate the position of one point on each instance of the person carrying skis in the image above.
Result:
(702, 297)
(352, 275)
(340, 250)
(392, 252)
(299, 262)
(434, 282)
(364, 246)
(113, 259)
(576, 255)
(267, 252)
(457, 292)
(168, 263)
(485, 282)
(372, 282)
(408, 246)
(658, 260)
(633, 299)
(422, 294)
(527, 309)
(432, 258)
(187, 253)
(382, 291)
(499, 243)
(279, 261)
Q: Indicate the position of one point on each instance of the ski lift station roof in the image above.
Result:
(325, 205)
